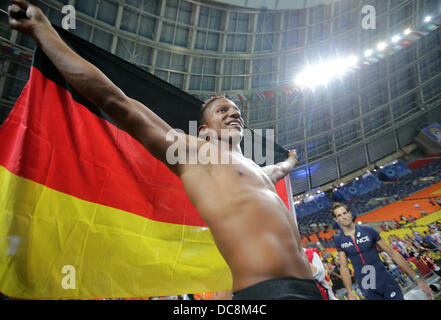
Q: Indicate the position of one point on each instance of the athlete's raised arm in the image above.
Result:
(279, 170)
(131, 115)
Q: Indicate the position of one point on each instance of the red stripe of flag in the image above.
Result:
(69, 149)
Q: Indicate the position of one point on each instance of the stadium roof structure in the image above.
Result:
(272, 4)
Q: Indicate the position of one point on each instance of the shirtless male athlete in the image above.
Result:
(250, 224)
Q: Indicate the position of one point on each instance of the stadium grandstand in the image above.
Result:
(354, 86)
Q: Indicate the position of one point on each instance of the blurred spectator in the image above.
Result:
(418, 237)
(319, 274)
(428, 238)
(434, 233)
(337, 282)
(412, 251)
(431, 263)
(428, 245)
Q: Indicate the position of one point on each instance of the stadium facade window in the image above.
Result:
(87, 7)
(431, 89)
(403, 81)
(102, 39)
(129, 20)
(375, 122)
(107, 10)
(404, 105)
(347, 136)
(430, 64)
(319, 147)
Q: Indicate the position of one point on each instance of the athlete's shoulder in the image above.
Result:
(338, 236)
(367, 228)
(370, 230)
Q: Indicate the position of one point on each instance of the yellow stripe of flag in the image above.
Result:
(114, 253)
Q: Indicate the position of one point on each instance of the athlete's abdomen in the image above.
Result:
(258, 240)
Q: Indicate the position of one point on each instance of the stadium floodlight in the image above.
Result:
(368, 52)
(321, 73)
(407, 31)
(396, 38)
(381, 46)
(427, 19)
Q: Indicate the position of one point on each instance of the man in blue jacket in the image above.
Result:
(358, 243)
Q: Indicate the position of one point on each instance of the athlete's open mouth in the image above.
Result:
(235, 123)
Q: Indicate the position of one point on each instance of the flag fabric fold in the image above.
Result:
(85, 210)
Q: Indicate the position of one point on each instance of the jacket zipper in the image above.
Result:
(358, 250)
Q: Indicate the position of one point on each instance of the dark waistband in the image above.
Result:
(286, 288)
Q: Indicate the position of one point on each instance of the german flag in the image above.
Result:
(85, 210)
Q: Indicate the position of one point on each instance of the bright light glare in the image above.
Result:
(381, 46)
(368, 53)
(322, 73)
(352, 61)
(427, 19)
(396, 38)
(407, 31)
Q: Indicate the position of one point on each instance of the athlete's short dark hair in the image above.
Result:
(337, 205)
(206, 104)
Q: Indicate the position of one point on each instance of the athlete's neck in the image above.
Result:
(349, 229)
(233, 147)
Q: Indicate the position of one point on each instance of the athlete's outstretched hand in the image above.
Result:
(292, 154)
(351, 296)
(426, 289)
(35, 17)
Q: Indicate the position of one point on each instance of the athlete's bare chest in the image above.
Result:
(244, 172)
